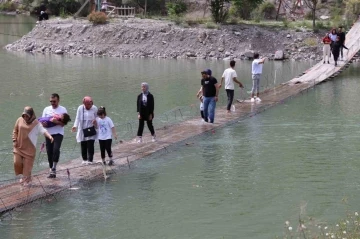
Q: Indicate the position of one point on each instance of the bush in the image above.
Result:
(312, 228)
(176, 8)
(352, 10)
(336, 11)
(211, 25)
(195, 21)
(285, 22)
(65, 6)
(308, 15)
(320, 25)
(267, 9)
(7, 7)
(219, 11)
(311, 41)
(97, 17)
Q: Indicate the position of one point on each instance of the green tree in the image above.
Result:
(352, 9)
(219, 10)
(245, 7)
(312, 5)
(61, 6)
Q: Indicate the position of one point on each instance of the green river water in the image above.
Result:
(243, 181)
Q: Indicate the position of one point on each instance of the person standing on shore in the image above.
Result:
(24, 137)
(57, 132)
(257, 67)
(210, 92)
(84, 125)
(106, 131)
(229, 76)
(326, 48)
(145, 107)
(342, 38)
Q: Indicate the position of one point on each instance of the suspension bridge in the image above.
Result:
(72, 176)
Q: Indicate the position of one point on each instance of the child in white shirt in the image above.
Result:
(106, 130)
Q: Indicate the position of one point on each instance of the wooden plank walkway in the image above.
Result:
(13, 195)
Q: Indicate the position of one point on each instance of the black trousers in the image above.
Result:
(230, 95)
(87, 150)
(202, 114)
(342, 49)
(336, 55)
(141, 127)
(105, 145)
(53, 149)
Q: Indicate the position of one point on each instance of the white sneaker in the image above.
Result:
(139, 140)
(153, 139)
(258, 99)
(252, 99)
(84, 162)
(90, 162)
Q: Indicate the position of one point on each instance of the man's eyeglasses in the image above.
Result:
(52, 101)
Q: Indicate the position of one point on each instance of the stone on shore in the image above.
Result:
(279, 55)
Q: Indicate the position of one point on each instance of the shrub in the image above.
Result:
(320, 25)
(177, 19)
(176, 8)
(352, 10)
(219, 10)
(195, 21)
(336, 11)
(308, 15)
(211, 25)
(257, 15)
(311, 41)
(267, 9)
(97, 17)
(312, 228)
(67, 6)
(285, 22)
(8, 6)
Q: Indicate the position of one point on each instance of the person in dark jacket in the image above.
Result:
(337, 45)
(342, 36)
(145, 109)
(43, 16)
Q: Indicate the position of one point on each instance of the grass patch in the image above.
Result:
(311, 41)
(212, 25)
(349, 228)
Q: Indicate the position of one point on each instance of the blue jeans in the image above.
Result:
(209, 109)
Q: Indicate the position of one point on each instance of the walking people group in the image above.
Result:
(334, 42)
(90, 124)
(209, 90)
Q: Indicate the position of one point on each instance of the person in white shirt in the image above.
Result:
(86, 122)
(257, 66)
(106, 130)
(229, 76)
(57, 132)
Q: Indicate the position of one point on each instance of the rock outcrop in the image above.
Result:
(164, 39)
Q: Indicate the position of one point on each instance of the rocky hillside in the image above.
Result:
(163, 39)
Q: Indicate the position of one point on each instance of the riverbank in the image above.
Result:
(164, 39)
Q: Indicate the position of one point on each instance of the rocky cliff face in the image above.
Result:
(162, 39)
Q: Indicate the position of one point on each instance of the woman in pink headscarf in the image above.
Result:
(84, 125)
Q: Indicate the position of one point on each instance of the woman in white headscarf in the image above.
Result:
(145, 109)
